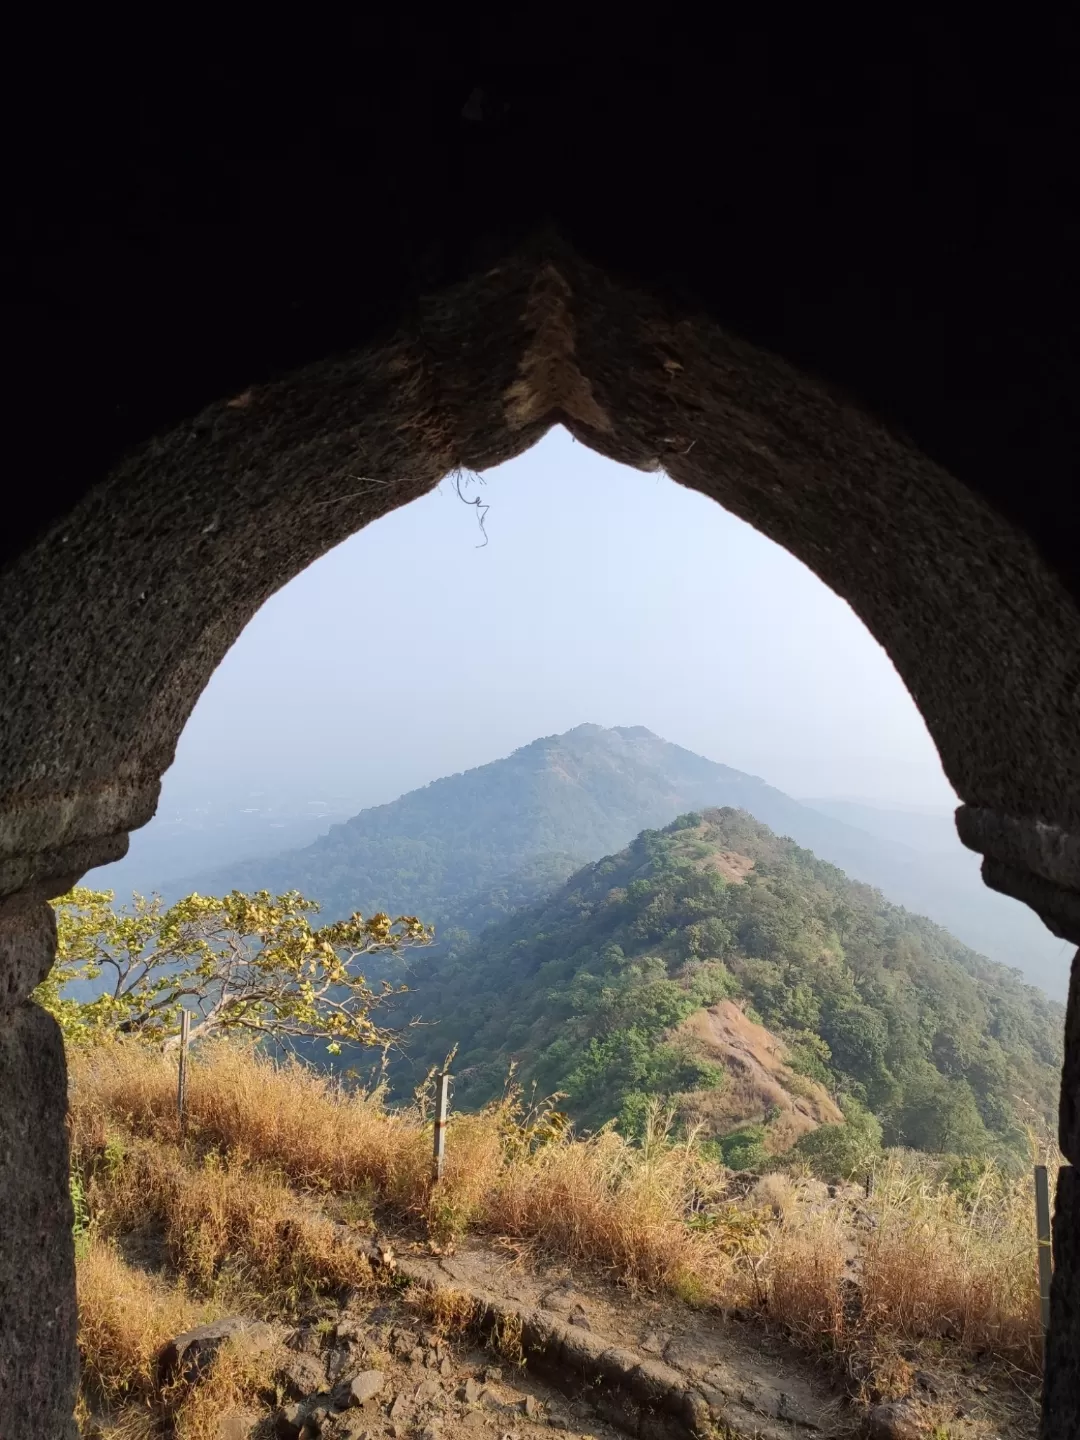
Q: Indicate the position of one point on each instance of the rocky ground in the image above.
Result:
(487, 1343)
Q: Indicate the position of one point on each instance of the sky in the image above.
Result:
(603, 594)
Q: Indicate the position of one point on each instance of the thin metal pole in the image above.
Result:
(181, 1078)
(442, 1098)
(1046, 1256)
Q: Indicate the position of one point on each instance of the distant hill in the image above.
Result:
(753, 984)
(470, 848)
(941, 878)
(481, 843)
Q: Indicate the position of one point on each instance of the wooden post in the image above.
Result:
(442, 1097)
(1042, 1230)
(181, 1078)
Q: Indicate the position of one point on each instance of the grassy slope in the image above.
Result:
(242, 1205)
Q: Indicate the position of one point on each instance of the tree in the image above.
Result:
(250, 963)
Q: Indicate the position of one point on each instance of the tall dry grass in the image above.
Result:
(224, 1225)
(303, 1124)
(926, 1264)
(125, 1316)
(939, 1267)
(600, 1202)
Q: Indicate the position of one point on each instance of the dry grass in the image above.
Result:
(603, 1203)
(225, 1226)
(125, 1316)
(938, 1268)
(445, 1311)
(241, 1202)
(599, 1202)
(804, 1274)
(931, 1268)
(303, 1124)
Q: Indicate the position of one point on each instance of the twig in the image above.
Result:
(481, 507)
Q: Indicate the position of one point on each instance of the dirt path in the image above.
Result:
(491, 1343)
(600, 1360)
(666, 1365)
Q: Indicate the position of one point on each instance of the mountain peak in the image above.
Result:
(527, 820)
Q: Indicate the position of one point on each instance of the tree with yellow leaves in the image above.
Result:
(243, 963)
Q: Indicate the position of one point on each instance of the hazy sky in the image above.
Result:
(603, 595)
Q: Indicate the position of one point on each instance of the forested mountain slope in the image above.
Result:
(712, 951)
(470, 848)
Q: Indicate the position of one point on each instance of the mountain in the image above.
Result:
(219, 830)
(470, 848)
(940, 877)
(751, 983)
(493, 838)
(931, 831)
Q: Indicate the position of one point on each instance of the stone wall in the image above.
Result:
(256, 312)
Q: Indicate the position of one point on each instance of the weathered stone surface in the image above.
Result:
(426, 1391)
(339, 1360)
(560, 1299)
(38, 1363)
(1061, 1385)
(188, 479)
(189, 1355)
(289, 1421)
(27, 948)
(1069, 1103)
(403, 1341)
(237, 1425)
(302, 1375)
(365, 1386)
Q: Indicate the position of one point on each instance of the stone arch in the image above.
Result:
(751, 365)
(166, 560)
(120, 612)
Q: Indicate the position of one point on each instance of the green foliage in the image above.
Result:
(80, 1227)
(841, 1152)
(587, 990)
(245, 962)
(743, 1149)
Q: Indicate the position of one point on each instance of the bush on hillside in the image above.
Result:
(841, 1152)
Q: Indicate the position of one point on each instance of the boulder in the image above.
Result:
(301, 1375)
(365, 1386)
(426, 1390)
(399, 1410)
(338, 1361)
(893, 1420)
(290, 1421)
(189, 1355)
(236, 1425)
